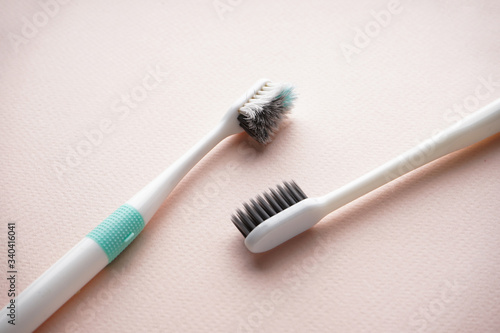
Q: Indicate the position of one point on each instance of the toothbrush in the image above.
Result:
(259, 112)
(283, 213)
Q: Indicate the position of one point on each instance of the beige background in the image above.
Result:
(419, 255)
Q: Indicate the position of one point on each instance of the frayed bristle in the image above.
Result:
(261, 116)
(267, 205)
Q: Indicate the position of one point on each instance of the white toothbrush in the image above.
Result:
(280, 215)
(258, 112)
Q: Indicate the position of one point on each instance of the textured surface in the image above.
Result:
(103, 95)
(118, 230)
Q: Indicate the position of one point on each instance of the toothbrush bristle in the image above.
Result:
(266, 205)
(262, 114)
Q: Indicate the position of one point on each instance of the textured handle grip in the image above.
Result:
(118, 230)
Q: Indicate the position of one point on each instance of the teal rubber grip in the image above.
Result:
(118, 230)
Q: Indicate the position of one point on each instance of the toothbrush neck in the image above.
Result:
(150, 198)
(414, 158)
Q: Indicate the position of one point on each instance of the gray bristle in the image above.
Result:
(267, 205)
(261, 116)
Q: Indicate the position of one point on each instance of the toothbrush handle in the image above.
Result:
(472, 129)
(70, 273)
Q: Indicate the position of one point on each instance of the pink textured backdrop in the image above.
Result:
(420, 255)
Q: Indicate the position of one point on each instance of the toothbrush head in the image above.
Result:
(277, 216)
(262, 114)
(267, 205)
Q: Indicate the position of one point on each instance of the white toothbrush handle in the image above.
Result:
(472, 129)
(54, 287)
(77, 267)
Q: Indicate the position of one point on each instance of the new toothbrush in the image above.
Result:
(258, 112)
(280, 215)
